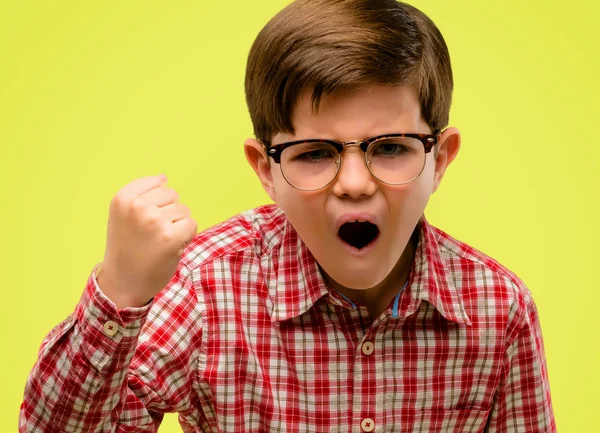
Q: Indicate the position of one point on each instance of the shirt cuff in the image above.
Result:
(108, 335)
(127, 316)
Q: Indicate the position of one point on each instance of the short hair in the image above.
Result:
(330, 46)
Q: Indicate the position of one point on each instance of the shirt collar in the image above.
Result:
(299, 282)
(431, 277)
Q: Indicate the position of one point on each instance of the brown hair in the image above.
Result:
(336, 45)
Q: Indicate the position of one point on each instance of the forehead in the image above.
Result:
(358, 114)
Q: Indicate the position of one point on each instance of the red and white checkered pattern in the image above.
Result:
(248, 337)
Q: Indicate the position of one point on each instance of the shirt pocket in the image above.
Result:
(447, 421)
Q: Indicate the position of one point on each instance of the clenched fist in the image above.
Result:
(147, 232)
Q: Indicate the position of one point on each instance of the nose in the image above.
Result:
(354, 178)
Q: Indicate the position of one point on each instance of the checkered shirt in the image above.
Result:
(247, 336)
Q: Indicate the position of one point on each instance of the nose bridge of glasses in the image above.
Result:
(359, 153)
(351, 143)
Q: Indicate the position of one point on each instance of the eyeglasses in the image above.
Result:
(394, 159)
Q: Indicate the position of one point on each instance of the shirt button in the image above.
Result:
(110, 328)
(368, 348)
(367, 425)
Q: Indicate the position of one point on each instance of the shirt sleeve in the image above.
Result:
(522, 402)
(103, 370)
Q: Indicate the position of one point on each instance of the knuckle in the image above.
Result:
(139, 208)
(136, 203)
(152, 215)
(167, 236)
(149, 217)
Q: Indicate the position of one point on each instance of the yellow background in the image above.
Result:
(96, 94)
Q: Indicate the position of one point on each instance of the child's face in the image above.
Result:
(395, 208)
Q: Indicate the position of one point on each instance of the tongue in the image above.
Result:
(358, 234)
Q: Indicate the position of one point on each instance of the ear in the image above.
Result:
(449, 146)
(258, 160)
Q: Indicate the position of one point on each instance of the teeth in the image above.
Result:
(359, 221)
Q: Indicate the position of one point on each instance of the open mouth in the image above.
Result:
(358, 234)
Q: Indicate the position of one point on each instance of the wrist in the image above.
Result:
(122, 297)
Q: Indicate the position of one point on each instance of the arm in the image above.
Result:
(96, 376)
(522, 402)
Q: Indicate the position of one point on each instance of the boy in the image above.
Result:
(338, 308)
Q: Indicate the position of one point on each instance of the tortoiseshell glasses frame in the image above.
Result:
(428, 141)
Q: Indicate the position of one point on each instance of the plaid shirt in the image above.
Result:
(247, 336)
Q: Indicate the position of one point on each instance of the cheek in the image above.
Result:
(303, 209)
(422, 187)
(307, 219)
(408, 202)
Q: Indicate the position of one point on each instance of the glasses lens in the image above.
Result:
(310, 165)
(396, 160)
